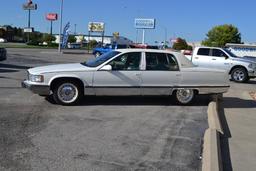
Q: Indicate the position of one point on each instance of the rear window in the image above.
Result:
(203, 51)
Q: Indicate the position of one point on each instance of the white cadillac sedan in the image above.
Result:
(127, 72)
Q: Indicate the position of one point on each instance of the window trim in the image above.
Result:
(122, 55)
(218, 56)
(167, 58)
(209, 54)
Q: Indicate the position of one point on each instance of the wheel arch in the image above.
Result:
(237, 66)
(56, 80)
(196, 90)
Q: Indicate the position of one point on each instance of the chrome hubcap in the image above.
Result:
(97, 54)
(67, 92)
(185, 95)
(239, 75)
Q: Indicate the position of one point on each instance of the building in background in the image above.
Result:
(242, 49)
(107, 39)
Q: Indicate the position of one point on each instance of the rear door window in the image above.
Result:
(161, 62)
(204, 51)
(218, 53)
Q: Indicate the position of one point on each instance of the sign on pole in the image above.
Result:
(28, 30)
(52, 16)
(143, 23)
(96, 27)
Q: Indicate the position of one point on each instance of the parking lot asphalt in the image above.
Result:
(101, 133)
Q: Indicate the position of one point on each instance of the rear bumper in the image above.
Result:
(37, 89)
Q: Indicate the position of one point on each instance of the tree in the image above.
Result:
(71, 39)
(2, 33)
(48, 38)
(181, 44)
(220, 35)
(93, 43)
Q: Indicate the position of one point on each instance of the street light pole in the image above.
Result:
(75, 30)
(61, 11)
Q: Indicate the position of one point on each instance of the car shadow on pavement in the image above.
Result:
(224, 138)
(7, 70)
(13, 66)
(229, 102)
(200, 100)
(234, 102)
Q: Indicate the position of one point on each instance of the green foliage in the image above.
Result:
(71, 39)
(93, 43)
(2, 33)
(48, 38)
(218, 36)
(181, 44)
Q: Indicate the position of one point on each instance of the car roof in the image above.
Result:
(184, 62)
(146, 50)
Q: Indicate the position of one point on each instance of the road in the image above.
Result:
(101, 133)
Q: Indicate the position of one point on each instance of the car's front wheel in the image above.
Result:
(97, 54)
(239, 75)
(67, 93)
(184, 96)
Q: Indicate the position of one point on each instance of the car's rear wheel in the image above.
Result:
(184, 96)
(67, 93)
(239, 75)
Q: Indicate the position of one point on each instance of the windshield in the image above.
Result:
(230, 53)
(100, 60)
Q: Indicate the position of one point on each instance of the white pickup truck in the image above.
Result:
(241, 69)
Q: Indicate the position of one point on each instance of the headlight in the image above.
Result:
(252, 65)
(36, 78)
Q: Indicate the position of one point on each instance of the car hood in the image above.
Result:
(247, 59)
(60, 68)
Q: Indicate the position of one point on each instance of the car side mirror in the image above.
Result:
(106, 68)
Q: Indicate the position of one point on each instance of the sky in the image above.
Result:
(188, 19)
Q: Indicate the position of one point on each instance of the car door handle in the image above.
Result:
(196, 58)
(138, 75)
(213, 59)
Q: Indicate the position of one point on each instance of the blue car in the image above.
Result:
(97, 51)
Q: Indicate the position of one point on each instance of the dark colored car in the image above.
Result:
(2, 54)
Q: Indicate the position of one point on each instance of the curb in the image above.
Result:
(211, 148)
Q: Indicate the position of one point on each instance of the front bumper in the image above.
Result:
(252, 73)
(37, 89)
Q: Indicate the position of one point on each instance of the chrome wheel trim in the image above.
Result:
(239, 75)
(184, 96)
(67, 93)
(97, 54)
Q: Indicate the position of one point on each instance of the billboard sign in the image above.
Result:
(30, 6)
(96, 27)
(143, 23)
(28, 30)
(52, 17)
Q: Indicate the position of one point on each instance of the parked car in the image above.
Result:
(127, 72)
(3, 54)
(241, 69)
(97, 51)
(74, 45)
(2, 40)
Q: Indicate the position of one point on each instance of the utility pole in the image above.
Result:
(61, 10)
(75, 30)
